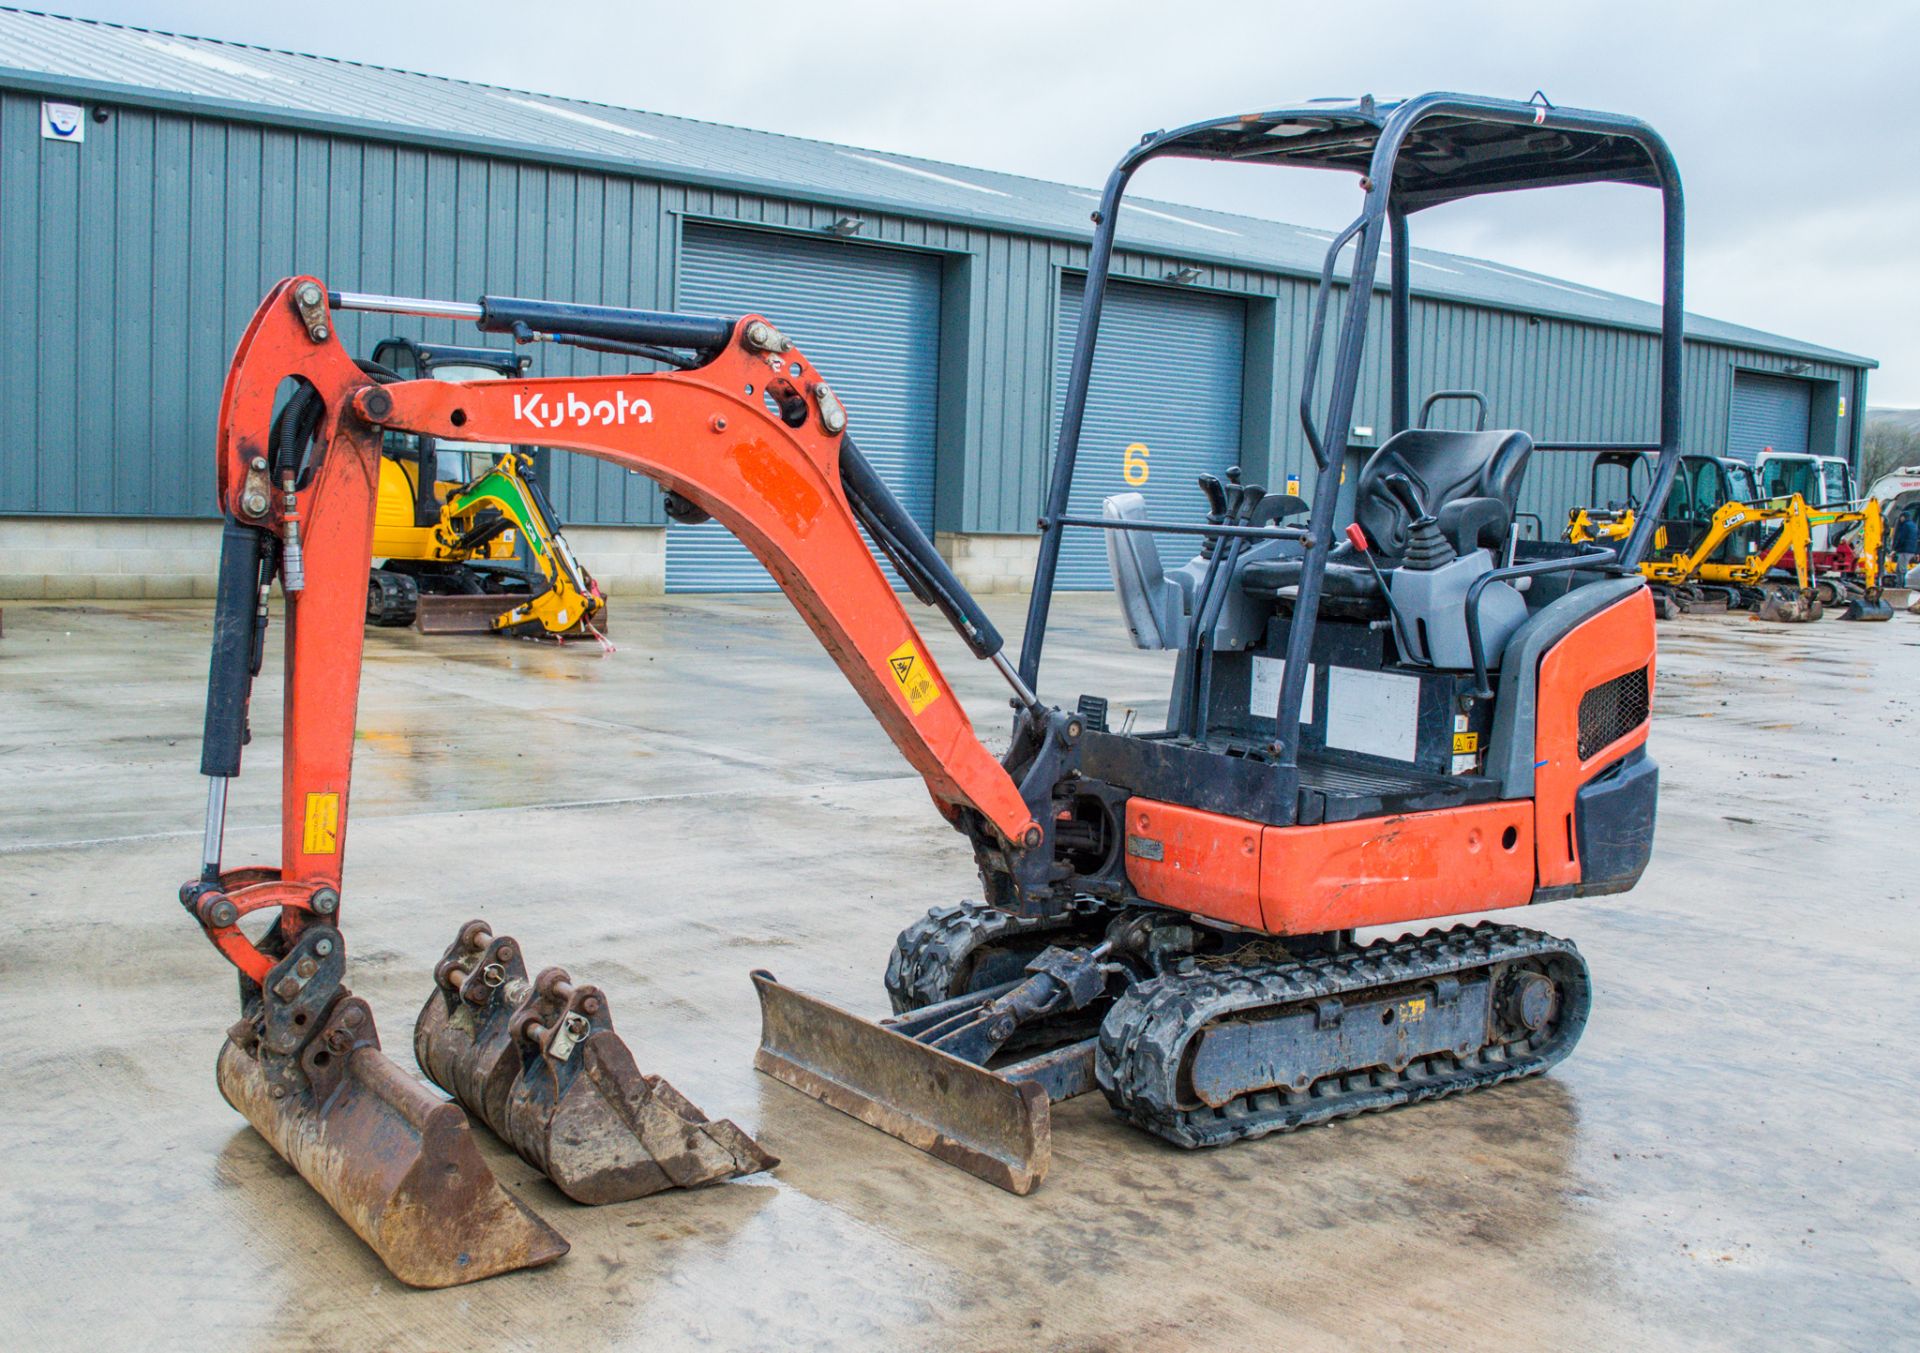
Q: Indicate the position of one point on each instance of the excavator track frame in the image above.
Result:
(1394, 990)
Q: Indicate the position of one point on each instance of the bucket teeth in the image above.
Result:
(539, 1063)
(397, 1162)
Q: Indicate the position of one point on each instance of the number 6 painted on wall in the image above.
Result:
(1133, 464)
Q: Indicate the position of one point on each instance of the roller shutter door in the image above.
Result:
(1166, 378)
(869, 318)
(1769, 411)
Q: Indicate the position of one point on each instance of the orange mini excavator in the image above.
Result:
(1408, 715)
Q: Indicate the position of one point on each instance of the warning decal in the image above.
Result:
(1464, 743)
(916, 682)
(322, 834)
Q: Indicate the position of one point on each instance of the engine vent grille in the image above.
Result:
(1612, 710)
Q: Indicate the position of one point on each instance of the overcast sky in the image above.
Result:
(1793, 123)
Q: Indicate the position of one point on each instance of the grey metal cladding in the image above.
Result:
(134, 260)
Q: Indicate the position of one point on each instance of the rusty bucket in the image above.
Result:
(397, 1162)
(539, 1063)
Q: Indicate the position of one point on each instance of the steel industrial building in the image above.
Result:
(137, 236)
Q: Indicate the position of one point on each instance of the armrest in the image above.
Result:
(1476, 524)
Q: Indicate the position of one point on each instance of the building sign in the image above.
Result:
(63, 121)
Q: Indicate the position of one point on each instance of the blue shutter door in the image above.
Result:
(1166, 377)
(869, 318)
(1769, 411)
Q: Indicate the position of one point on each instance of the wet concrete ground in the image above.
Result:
(1729, 1160)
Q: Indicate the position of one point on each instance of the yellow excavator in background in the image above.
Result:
(1793, 538)
(465, 539)
(1714, 538)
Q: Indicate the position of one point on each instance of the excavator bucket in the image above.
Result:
(1788, 605)
(397, 1162)
(987, 1123)
(539, 1063)
(1872, 607)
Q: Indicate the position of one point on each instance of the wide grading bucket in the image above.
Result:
(539, 1063)
(397, 1162)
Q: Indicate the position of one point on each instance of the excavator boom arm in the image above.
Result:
(752, 436)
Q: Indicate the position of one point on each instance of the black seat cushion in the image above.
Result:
(1445, 467)
(1347, 588)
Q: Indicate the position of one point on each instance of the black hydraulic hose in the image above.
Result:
(680, 361)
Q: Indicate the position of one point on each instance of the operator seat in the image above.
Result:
(1470, 481)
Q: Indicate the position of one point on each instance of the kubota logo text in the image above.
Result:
(572, 411)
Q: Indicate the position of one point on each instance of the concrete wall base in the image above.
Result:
(627, 561)
(111, 558)
(123, 558)
(990, 563)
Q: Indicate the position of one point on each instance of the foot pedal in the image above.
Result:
(397, 1162)
(539, 1063)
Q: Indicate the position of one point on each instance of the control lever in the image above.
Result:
(1427, 548)
(1243, 500)
(1403, 488)
(1216, 495)
(1357, 538)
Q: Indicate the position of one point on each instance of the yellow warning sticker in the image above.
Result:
(916, 682)
(1465, 744)
(1412, 1012)
(322, 834)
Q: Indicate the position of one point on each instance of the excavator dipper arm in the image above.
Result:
(752, 436)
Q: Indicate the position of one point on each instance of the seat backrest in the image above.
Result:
(1444, 466)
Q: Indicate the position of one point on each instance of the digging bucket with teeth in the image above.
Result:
(397, 1162)
(539, 1063)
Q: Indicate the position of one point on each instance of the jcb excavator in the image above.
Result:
(1713, 541)
(1413, 716)
(467, 539)
(1792, 524)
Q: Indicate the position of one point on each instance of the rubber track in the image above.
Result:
(928, 955)
(1145, 1036)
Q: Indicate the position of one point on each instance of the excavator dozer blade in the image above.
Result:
(397, 1162)
(998, 1129)
(539, 1063)
(476, 614)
